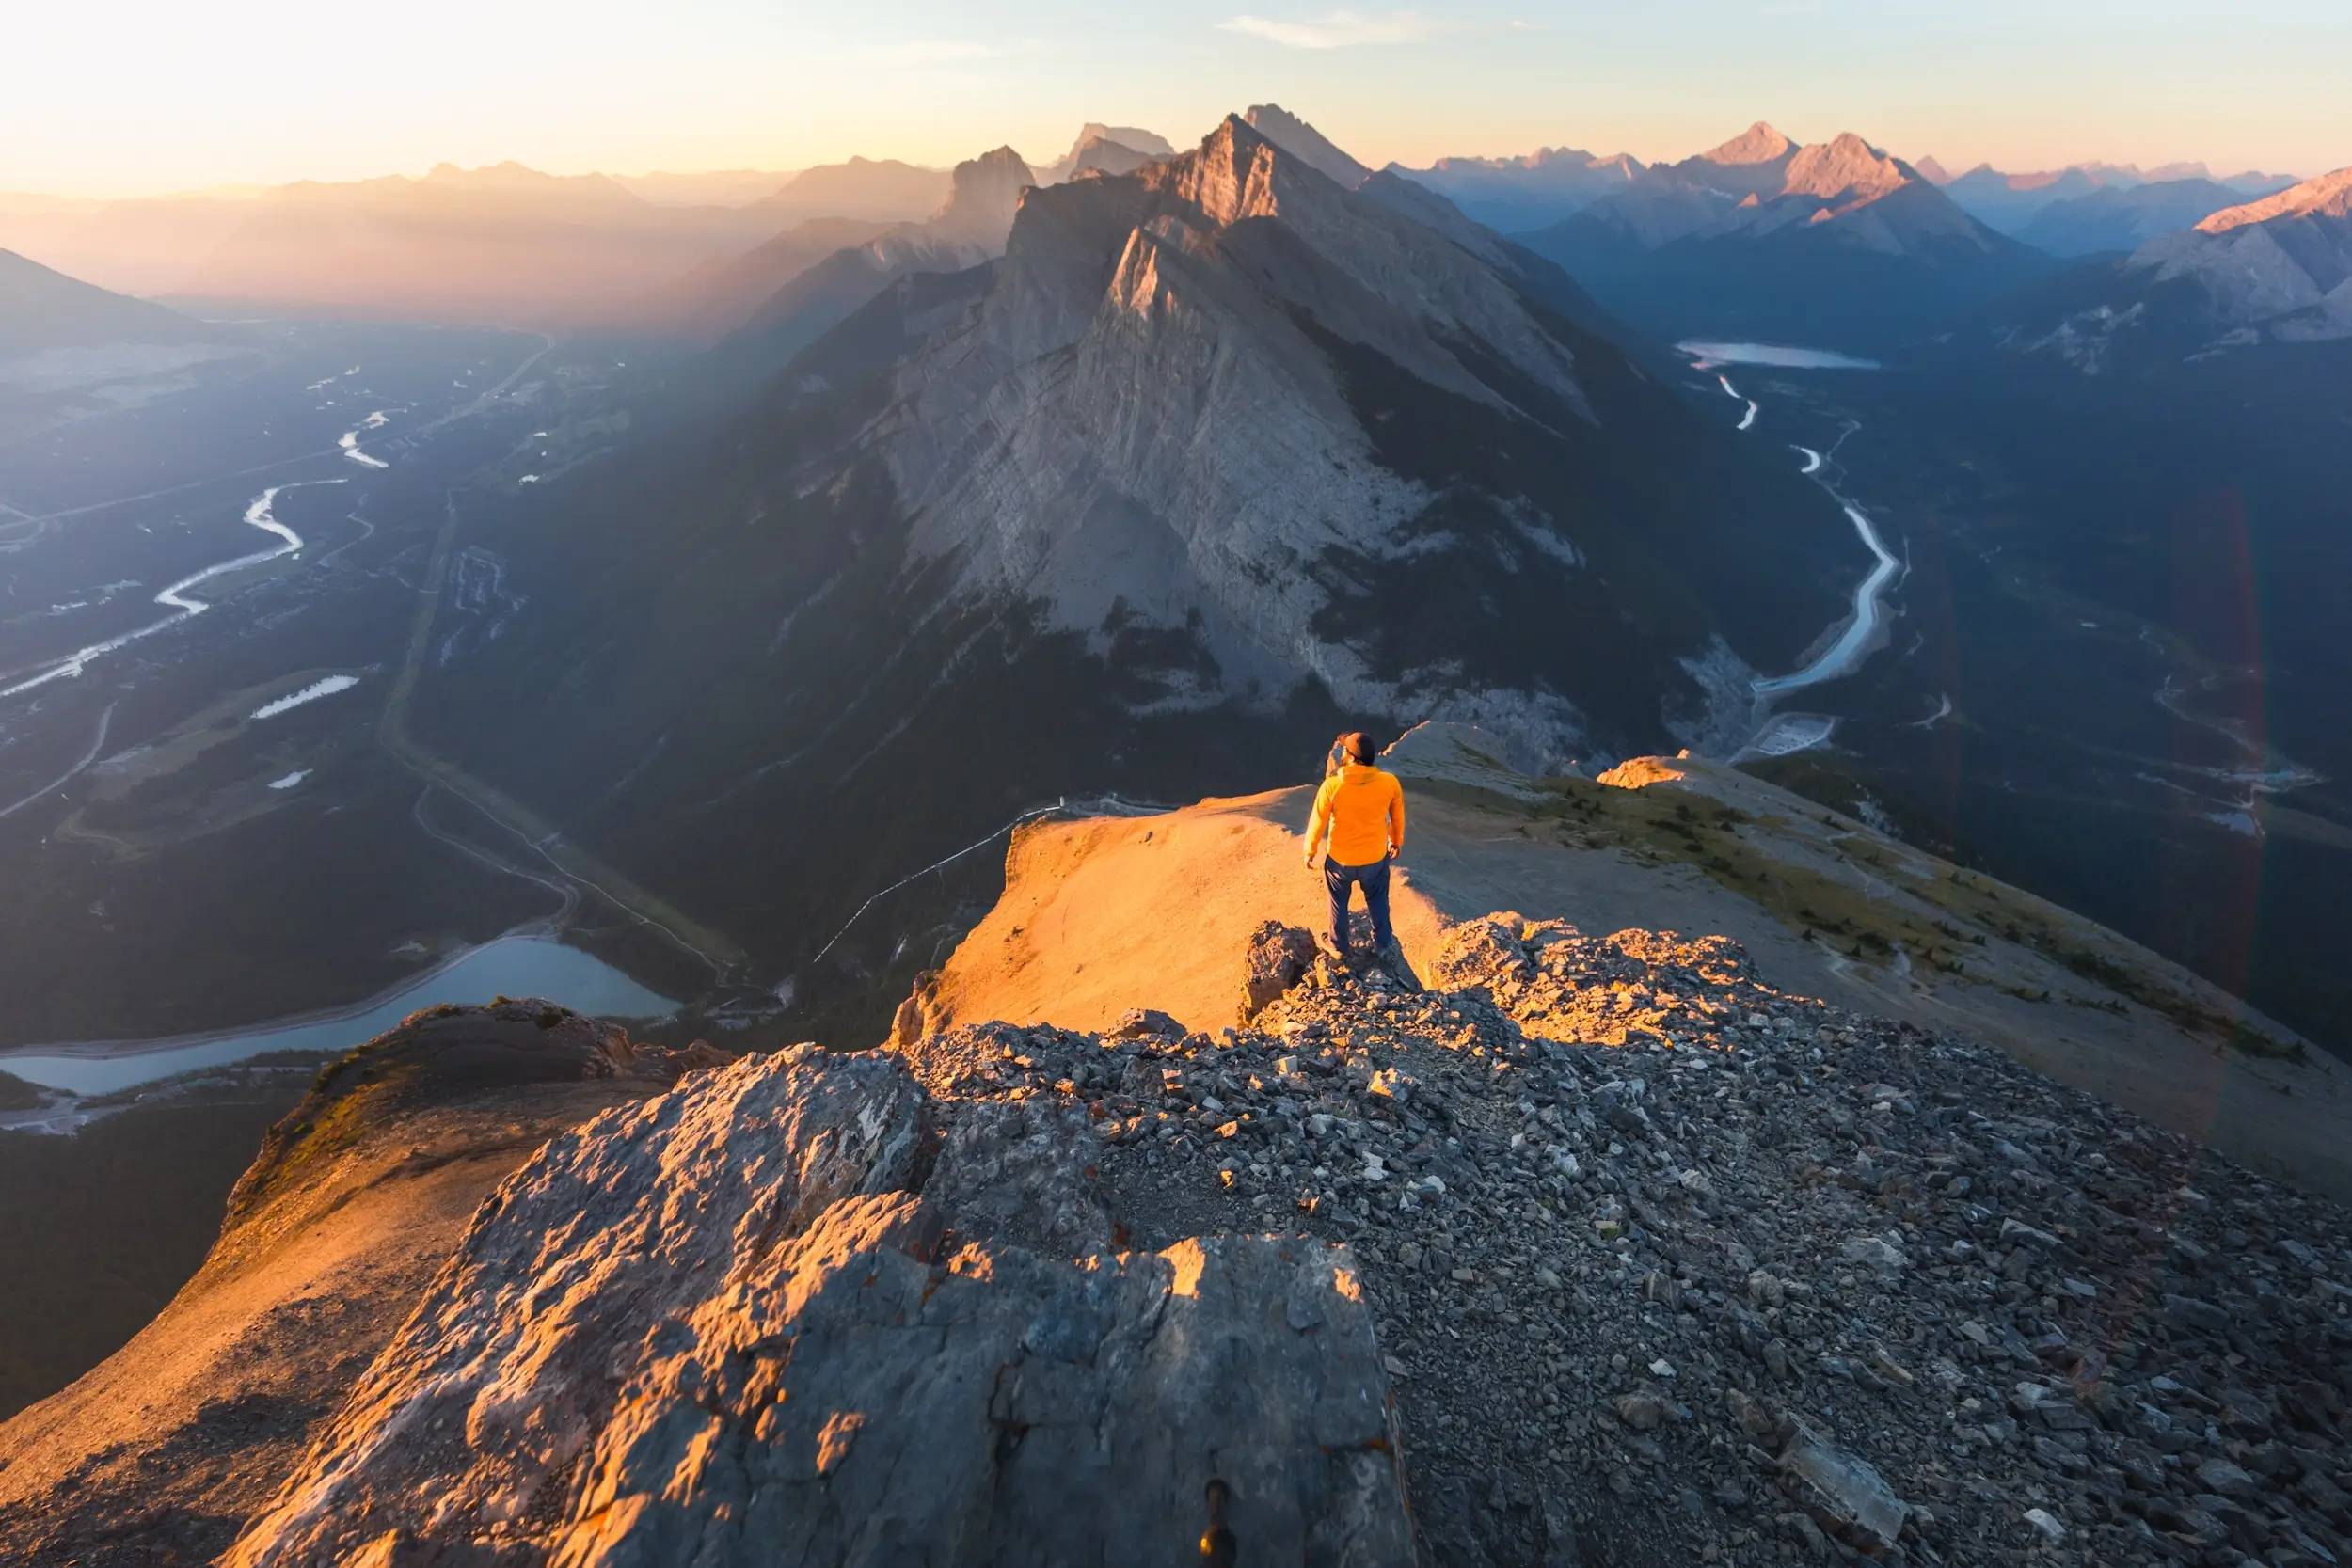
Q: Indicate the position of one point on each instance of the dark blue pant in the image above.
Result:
(1338, 880)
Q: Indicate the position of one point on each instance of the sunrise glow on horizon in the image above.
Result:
(145, 98)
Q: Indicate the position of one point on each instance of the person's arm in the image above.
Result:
(1320, 821)
(1396, 818)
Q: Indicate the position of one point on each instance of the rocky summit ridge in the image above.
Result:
(1593, 1249)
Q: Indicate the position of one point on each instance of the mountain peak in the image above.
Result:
(2329, 196)
(982, 194)
(1846, 166)
(1758, 144)
(510, 176)
(1133, 136)
(1302, 141)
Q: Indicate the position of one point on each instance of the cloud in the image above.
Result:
(1342, 29)
(920, 52)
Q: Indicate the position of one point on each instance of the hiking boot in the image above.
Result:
(1391, 958)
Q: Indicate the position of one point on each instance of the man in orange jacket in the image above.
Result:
(1361, 810)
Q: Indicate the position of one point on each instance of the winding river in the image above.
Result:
(1845, 654)
(1852, 646)
(175, 598)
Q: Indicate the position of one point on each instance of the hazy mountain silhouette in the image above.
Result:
(2008, 202)
(1514, 195)
(793, 289)
(42, 308)
(718, 187)
(1111, 149)
(2125, 217)
(884, 190)
(504, 244)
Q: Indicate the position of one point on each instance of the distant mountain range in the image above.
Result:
(2125, 217)
(877, 190)
(1835, 243)
(2008, 202)
(1514, 195)
(506, 245)
(44, 309)
(2276, 270)
(968, 228)
(2281, 266)
(1111, 148)
(718, 187)
(1839, 242)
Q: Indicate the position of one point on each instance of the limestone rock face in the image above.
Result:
(791, 1311)
(1140, 428)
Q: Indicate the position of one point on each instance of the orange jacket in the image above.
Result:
(1364, 810)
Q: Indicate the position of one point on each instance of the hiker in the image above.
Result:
(1362, 809)
(1218, 1548)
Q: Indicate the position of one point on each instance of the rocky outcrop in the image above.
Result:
(164, 1452)
(794, 1309)
(1277, 959)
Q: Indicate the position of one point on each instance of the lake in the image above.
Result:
(1779, 355)
(510, 966)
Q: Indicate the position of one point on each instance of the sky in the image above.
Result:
(137, 97)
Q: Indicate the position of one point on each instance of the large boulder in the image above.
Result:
(1481, 953)
(789, 1313)
(1277, 959)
